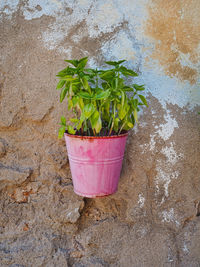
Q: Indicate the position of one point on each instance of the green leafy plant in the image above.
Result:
(99, 99)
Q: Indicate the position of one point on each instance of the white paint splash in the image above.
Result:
(141, 200)
(185, 248)
(164, 166)
(164, 170)
(169, 216)
(149, 146)
(164, 178)
(166, 130)
(170, 153)
(152, 143)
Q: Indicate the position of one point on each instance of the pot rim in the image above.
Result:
(95, 137)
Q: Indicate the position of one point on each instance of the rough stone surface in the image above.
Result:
(2, 148)
(154, 218)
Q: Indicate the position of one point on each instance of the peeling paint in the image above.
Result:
(138, 39)
(104, 17)
(175, 29)
(36, 8)
(8, 7)
(121, 47)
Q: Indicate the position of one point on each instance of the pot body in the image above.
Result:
(95, 163)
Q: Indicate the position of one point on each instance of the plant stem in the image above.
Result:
(96, 82)
(109, 122)
(113, 119)
(87, 128)
(121, 128)
(110, 129)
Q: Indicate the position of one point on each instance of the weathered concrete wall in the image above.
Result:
(152, 219)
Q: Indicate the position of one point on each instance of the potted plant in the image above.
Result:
(103, 113)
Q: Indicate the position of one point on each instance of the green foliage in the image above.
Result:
(98, 98)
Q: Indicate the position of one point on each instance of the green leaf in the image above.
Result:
(135, 115)
(138, 87)
(130, 125)
(132, 119)
(120, 82)
(118, 106)
(81, 103)
(120, 61)
(88, 110)
(105, 86)
(68, 78)
(60, 84)
(116, 124)
(90, 71)
(107, 75)
(75, 82)
(96, 121)
(78, 127)
(70, 104)
(71, 93)
(122, 97)
(82, 63)
(102, 95)
(71, 130)
(74, 120)
(127, 107)
(143, 100)
(91, 81)
(66, 71)
(135, 103)
(127, 72)
(85, 95)
(63, 72)
(112, 63)
(122, 113)
(75, 100)
(85, 83)
(63, 94)
(73, 62)
(107, 107)
(82, 118)
(127, 89)
(63, 120)
(61, 132)
(115, 63)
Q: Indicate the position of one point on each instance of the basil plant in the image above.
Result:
(99, 99)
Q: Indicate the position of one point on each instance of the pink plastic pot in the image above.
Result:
(95, 163)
